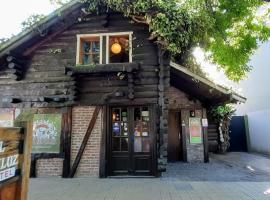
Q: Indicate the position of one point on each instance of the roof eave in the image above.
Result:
(234, 98)
(27, 34)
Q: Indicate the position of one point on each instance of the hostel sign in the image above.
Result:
(8, 164)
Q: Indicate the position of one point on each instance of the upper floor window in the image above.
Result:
(90, 50)
(104, 48)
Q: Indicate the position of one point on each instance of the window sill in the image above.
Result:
(102, 68)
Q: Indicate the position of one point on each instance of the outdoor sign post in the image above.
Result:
(15, 162)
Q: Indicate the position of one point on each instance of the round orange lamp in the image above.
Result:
(116, 48)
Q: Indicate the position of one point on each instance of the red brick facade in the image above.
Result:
(89, 165)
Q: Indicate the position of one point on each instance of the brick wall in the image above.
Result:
(89, 165)
(49, 167)
(179, 99)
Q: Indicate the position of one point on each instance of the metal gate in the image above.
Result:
(238, 138)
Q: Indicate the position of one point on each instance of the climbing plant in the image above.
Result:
(31, 20)
(229, 31)
(222, 116)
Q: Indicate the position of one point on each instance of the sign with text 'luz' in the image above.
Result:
(9, 163)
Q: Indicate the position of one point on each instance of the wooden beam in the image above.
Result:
(205, 139)
(26, 160)
(103, 68)
(67, 130)
(84, 142)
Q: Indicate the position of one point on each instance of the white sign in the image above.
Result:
(7, 173)
(204, 122)
(2, 149)
(10, 161)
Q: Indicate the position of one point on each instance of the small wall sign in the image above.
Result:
(195, 130)
(204, 122)
(8, 166)
(46, 133)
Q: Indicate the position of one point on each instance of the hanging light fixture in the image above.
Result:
(116, 47)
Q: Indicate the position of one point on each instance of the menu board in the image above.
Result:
(46, 133)
(195, 130)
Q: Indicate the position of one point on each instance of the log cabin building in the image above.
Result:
(126, 109)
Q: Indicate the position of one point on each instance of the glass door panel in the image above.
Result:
(141, 129)
(120, 130)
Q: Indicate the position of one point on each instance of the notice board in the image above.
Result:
(195, 130)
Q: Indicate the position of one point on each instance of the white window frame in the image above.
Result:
(100, 35)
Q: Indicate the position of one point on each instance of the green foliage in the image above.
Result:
(229, 30)
(224, 112)
(2, 41)
(33, 19)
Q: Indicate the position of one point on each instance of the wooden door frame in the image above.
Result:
(105, 156)
(176, 113)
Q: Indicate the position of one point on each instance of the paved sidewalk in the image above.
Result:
(230, 167)
(145, 189)
(233, 176)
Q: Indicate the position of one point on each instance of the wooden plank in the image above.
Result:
(7, 134)
(84, 142)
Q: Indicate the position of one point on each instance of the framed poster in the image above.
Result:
(195, 130)
(46, 133)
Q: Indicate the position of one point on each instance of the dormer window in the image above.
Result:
(104, 48)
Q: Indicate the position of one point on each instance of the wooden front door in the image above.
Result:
(131, 141)
(174, 137)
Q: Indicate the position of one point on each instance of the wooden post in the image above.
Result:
(205, 138)
(184, 136)
(67, 129)
(26, 160)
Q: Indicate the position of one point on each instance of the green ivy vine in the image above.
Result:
(229, 31)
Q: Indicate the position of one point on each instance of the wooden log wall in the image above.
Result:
(46, 84)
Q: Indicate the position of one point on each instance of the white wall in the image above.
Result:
(256, 87)
(259, 131)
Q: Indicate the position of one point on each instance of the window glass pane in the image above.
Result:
(90, 50)
(116, 115)
(119, 49)
(116, 144)
(116, 129)
(124, 144)
(137, 114)
(146, 144)
(138, 144)
(124, 129)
